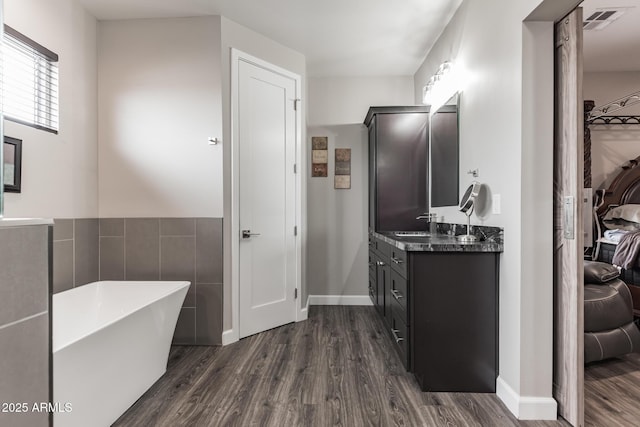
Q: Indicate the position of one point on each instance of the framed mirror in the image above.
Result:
(12, 151)
(444, 143)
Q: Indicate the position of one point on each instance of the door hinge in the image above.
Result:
(295, 103)
(295, 168)
(295, 230)
(295, 293)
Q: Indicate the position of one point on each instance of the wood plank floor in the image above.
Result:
(335, 369)
(612, 392)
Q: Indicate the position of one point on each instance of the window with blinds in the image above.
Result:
(29, 82)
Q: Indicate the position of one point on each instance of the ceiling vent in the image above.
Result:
(603, 17)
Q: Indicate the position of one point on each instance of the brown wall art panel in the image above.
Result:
(343, 168)
(319, 156)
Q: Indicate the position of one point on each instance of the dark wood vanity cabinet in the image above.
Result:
(454, 317)
(440, 311)
(389, 293)
(438, 301)
(398, 167)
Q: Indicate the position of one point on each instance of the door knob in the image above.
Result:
(246, 234)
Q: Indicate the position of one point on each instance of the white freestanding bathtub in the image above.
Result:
(111, 342)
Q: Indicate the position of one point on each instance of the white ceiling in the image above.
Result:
(338, 37)
(617, 46)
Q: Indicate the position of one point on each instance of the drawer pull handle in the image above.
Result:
(380, 263)
(397, 295)
(396, 336)
(397, 260)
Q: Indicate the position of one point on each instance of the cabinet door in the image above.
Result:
(383, 287)
(401, 171)
(380, 285)
(372, 263)
(386, 274)
(372, 277)
(372, 174)
(372, 289)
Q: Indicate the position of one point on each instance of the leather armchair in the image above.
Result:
(609, 330)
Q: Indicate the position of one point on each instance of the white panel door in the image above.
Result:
(267, 149)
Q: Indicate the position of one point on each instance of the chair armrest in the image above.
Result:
(599, 272)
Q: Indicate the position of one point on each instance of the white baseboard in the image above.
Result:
(229, 337)
(339, 300)
(526, 407)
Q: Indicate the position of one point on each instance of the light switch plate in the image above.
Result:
(495, 204)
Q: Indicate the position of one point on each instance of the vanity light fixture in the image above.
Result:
(441, 86)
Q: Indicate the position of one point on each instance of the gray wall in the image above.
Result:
(59, 178)
(25, 336)
(506, 131)
(337, 219)
(159, 97)
(87, 250)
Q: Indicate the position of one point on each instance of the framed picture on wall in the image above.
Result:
(12, 164)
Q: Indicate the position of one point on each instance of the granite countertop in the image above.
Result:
(438, 243)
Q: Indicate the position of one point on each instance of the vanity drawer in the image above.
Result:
(398, 260)
(384, 249)
(400, 336)
(398, 290)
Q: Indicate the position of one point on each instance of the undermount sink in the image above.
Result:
(411, 234)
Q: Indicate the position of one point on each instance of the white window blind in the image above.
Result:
(29, 82)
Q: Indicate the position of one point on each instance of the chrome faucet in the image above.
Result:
(432, 219)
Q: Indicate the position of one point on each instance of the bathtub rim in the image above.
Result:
(181, 285)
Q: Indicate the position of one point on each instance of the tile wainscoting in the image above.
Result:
(25, 335)
(89, 249)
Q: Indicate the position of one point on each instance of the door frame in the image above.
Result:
(526, 387)
(539, 106)
(233, 334)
